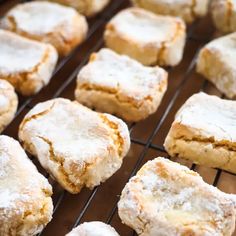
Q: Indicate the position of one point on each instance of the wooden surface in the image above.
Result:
(183, 82)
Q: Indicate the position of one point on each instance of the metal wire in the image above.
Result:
(146, 145)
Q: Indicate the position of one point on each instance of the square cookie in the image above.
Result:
(204, 131)
(77, 146)
(188, 10)
(25, 63)
(224, 15)
(86, 7)
(216, 61)
(61, 26)
(150, 39)
(26, 205)
(168, 199)
(120, 85)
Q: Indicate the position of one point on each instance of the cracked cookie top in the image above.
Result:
(144, 27)
(163, 191)
(93, 228)
(74, 130)
(209, 117)
(75, 144)
(21, 55)
(224, 50)
(117, 74)
(40, 17)
(23, 190)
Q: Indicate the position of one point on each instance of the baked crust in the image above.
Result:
(93, 228)
(150, 39)
(166, 198)
(8, 103)
(26, 64)
(216, 61)
(52, 23)
(86, 7)
(77, 146)
(119, 85)
(25, 195)
(224, 15)
(188, 10)
(204, 132)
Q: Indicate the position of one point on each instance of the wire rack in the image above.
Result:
(147, 136)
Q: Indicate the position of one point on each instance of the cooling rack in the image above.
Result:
(147, 136)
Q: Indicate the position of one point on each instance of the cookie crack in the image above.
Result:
(160, 58)
(60, 162)
(19, 79)
(36, 116)
(117, 138)
(115, 93)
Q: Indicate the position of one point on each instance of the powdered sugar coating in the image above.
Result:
(148, 38)
(26, 64)
(209, 116)
(40, 17)
(61, 26)
(163, 191)
(122, 85)
(22, 191)
(113, 71)
(76, 145)
(188, 10)
(145, 28)
(93, 228)
(18, 54)
(216, 61)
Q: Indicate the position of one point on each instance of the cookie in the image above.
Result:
(204, 132)
(188, 10)
(149, 38)
(216, 62)
(93, 228)
(120, 85)
(25, 63)
(61, 26)
(166, 198)
(77, 146)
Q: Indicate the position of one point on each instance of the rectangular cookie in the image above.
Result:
(61, 26)
(146, 37)
(204, 131)
(77, 146)
(168, 199)
(25, 63)
(188, 10)
(119, 85)
(26, 205)
(216, 62)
